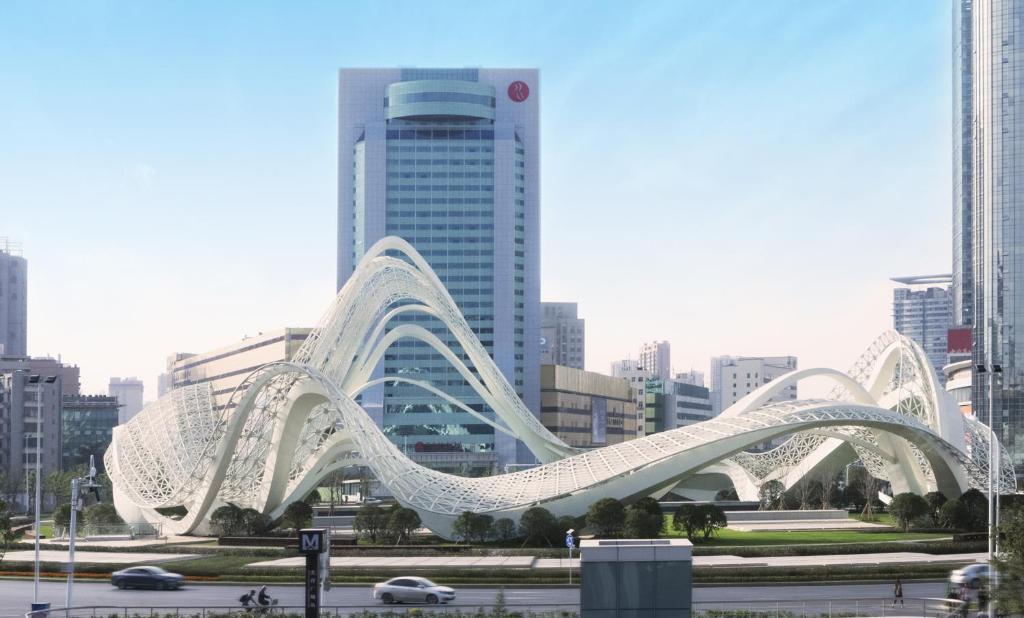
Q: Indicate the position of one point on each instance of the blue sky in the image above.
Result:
(735, 177)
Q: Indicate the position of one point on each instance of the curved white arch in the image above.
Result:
(288, 424)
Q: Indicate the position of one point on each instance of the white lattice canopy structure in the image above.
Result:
(290, 424)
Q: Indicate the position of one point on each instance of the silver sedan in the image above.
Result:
(412, 590)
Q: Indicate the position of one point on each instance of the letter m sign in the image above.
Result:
(311, 541)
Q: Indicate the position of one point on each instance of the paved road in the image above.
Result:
(15, 595)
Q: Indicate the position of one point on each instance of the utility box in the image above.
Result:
(636, 578)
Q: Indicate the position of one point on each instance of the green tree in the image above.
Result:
(935, 500)
(725, 495)
(6, 531)
(370, 522)
(313, 498)
(1010, 563)
(954, 515)
(537, 526)
(684, 520)
(62, 515)
(644, 519)
(699, 521)
(711, 518)
(297, 515)
(253, 522)
(101, 514)
(504, 529)
(854, 497)
(977, 509)
(227, 520)
(907, 508)
(606, 518)
(770, 496)
(472, 527)
(402, 523)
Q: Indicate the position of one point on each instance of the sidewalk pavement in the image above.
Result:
(144, 542)
(95, 557)
(527, 562)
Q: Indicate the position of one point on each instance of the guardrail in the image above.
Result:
(334, 611)
(801, 608)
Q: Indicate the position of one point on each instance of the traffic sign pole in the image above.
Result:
(314, 543)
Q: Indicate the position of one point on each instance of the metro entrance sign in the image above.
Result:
(314, 543)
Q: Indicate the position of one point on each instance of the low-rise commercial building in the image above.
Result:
(227, 367)
(586, 409)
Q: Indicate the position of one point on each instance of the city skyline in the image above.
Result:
(147, 164)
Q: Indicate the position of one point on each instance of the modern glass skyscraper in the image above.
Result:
(13, 300)
(923, 311)
(997, 217)
(448, 159)
(963, 164)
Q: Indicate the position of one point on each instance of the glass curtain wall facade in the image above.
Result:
(998, 216)
(925, 315)
(963, 164)
(447, 160)
(87, 425)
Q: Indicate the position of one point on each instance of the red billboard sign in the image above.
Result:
(958, 340)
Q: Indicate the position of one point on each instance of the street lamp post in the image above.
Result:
(77, 485)
(993, 481)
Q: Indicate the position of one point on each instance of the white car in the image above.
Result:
(972, 575)
(412, 590)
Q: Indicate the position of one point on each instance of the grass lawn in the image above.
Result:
(727, 537)
(879, 518)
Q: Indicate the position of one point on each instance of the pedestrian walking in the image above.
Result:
(897, 593)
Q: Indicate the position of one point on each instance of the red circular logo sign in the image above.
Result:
(518, 91)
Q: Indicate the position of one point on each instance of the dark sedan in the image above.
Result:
(146, 577)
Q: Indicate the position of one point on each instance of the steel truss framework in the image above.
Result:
(290, 424)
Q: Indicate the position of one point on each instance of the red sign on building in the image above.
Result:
(958, 340)
(518, 91)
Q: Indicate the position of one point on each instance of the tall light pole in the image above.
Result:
(993, 479)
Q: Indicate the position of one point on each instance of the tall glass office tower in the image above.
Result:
(448, 159)
(997, 220)
(963, 164)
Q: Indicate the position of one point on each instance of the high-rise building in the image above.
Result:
(229, 366)
(87, 425)
(448, 159)
(734, 377)
(637, 378)
(923, 311)
(562, 335)
(30, 408)
(70, 375)
(586, 409)
(129, 394)
(13, 300)
(656, 358)
(997, 215)
(962, 287)
(693, 376)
